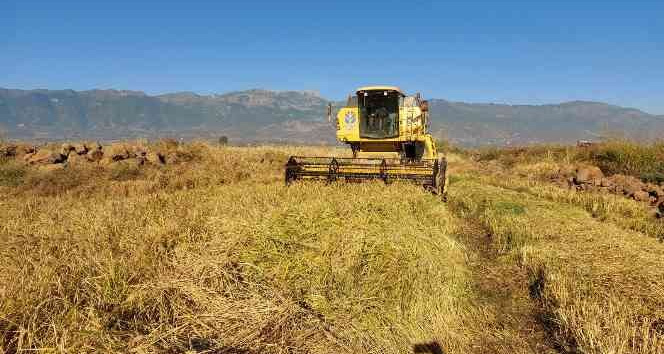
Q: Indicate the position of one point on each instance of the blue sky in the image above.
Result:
(479, 51)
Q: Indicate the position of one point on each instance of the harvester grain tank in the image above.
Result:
(387, 132)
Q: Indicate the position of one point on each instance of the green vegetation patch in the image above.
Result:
(11, 174)
(509, 207)
(124, 171)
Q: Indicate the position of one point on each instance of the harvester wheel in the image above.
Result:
(291, 171)
(290, 176)
(333, 170)
(440, 179)
(355, 149)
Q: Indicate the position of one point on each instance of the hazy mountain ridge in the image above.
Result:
(295, 116)
(479, 123)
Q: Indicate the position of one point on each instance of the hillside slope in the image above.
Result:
(477, 124)
(294, 116)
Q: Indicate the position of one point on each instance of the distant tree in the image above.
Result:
(223, 140)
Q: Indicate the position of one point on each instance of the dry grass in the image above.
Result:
(645, 161)
(214, 254)
(218, 255)
(626, 213)
(601, 287)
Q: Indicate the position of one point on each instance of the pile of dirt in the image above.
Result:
(15, 150)
(8, 150)
(88, 153)
(45, 157)
(588, 177)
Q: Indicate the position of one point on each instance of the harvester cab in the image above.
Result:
(387, 132)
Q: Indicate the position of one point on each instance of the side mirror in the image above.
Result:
(329, 112)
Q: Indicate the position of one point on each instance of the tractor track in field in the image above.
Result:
(516, 324)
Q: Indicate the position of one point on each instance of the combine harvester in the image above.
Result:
(388, 135)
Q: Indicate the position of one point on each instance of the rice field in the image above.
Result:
(216, 255)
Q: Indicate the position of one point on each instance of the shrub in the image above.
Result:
(124, 171)
(53, 182)
(645, 161)
(11, 173)
(629, 158)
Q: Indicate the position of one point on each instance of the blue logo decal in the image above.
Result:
(349, 118)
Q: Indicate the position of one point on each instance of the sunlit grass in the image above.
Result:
(601, 285)
(645, 161)
(213, 253)
(220, 255)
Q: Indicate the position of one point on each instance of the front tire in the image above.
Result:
(440, 179)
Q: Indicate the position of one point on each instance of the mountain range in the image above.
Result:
(296, 117)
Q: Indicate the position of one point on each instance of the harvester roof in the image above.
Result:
(381, 88)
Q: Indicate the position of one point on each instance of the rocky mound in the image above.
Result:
(588, 177)
(94, 153)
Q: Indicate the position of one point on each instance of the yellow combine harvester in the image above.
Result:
(388, 135)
